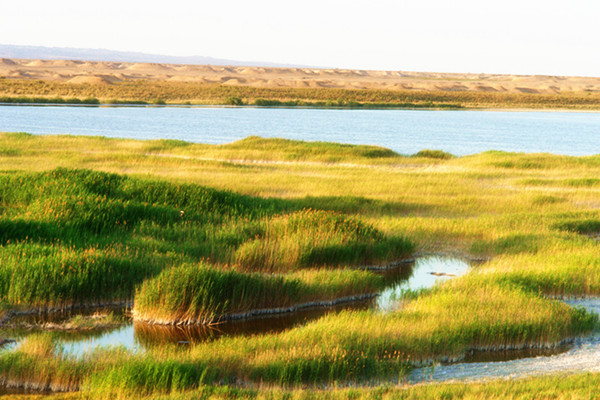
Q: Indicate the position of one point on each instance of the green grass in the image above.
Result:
(347, 347)
(440, 154)
(533, 215)
(553, 387)
(48, 100)
(317, 238)
(199, 294)
(297, 150)
(71, 236)
(559, 387)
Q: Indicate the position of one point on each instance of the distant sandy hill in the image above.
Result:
(107, 73)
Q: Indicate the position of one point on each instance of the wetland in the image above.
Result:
(189, 234)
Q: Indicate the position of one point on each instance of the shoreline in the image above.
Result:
(305, 107)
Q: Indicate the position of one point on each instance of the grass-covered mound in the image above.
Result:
(74, 236)
(310, 238)
(70, 236)
(255, 148)
(299, 150)
(199, 294)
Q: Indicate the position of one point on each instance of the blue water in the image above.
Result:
(423, 276)
(405, 131)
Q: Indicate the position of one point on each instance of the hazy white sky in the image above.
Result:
(509, 36)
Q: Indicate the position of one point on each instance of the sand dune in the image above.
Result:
(106, 73)
(95, 79)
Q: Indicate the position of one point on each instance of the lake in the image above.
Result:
(404, 131)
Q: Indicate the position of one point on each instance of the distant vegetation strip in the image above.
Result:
(188, 93)
(227, 102)
(48, 100)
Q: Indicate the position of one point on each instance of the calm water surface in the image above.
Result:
(405, 131)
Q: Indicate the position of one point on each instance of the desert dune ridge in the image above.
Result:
(107, 73)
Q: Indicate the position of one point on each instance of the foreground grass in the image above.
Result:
(153, 92)
(568, 387)
(529, 213)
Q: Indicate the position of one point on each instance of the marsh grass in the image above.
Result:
(529, 214)
(440, 154)
(71, 236)
(559, 387)
(311, 238)
(298, 150)
(199, 294)
(355, 346)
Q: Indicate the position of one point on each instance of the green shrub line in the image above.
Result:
(48, 100)
(346, 104)
(230, 101)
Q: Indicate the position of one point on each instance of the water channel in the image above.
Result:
(581, 355)
(422, 273)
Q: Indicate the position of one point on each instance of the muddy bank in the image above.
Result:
(23, 387)
(10, 314)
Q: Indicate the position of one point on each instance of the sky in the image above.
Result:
(509, 36)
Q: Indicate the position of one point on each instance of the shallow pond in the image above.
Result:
(423, 274)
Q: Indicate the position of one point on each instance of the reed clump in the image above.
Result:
(311, 238)
(200, 294)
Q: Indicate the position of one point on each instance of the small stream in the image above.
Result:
(583, 355)
(423, 274)
(138, 336)
(580, 356)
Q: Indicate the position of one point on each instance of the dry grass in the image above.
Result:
(159, 92)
